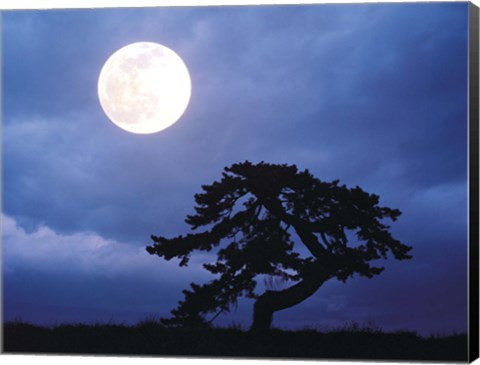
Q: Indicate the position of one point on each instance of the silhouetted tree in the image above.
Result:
(253, 214)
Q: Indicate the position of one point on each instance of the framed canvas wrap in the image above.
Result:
(257, 181)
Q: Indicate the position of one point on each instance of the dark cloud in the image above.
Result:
(372, 94)
(51, 278)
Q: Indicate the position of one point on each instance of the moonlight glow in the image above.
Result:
(144, 87)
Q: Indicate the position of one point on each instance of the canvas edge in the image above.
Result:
(473, 111)
(473, 190)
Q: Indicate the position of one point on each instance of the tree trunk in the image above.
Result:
(273, 301)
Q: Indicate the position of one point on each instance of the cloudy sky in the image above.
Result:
(373, 95)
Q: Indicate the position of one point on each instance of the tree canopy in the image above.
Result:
(256, 217)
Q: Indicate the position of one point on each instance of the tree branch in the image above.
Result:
(301, 228)
(215, 316)
(327, 243)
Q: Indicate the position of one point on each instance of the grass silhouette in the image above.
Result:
(150, 338)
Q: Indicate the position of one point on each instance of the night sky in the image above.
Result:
(373, 95)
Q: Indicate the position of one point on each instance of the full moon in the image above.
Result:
(144, 87)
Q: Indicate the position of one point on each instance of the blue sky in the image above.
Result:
(373, 95)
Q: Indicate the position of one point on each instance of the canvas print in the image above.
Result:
(241, 181)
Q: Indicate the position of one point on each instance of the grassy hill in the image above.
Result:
(150, 338)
